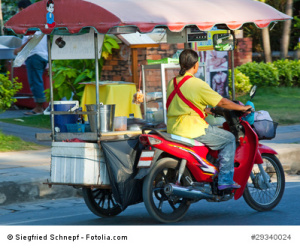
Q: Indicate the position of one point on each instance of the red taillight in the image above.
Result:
(144, 140)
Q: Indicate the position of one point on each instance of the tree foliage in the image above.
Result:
(10, 8)
(7, 90)
(250, 30)
(68, 74)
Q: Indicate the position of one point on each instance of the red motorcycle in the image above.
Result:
(183, 171)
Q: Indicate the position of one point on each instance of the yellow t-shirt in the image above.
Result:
(182, 120)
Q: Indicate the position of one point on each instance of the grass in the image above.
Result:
(283, 104)
(11, 143)
(38, 121)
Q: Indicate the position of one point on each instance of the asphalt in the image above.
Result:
(23, 174)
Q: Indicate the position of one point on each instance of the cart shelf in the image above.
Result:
(88, 136)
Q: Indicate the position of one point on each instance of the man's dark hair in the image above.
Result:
(187, 59)
(23, 4)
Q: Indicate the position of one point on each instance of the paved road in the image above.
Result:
(286, 134)
(73, 211)
(226, 224)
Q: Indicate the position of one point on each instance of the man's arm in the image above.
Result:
(227, 104)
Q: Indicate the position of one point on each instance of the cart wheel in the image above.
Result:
(101, 202)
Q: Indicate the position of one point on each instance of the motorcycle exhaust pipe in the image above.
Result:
(186, 192)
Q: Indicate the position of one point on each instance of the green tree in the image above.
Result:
(10, 8)
(266, 42)
(276, 31)
(285, 39)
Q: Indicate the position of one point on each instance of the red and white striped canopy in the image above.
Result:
(74, 15)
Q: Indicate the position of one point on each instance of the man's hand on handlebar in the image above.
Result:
(227, 104)
(247, 109)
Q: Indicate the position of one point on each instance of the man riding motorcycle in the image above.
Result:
(187, 98)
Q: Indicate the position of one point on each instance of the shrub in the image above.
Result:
(289, 72)
(7, 90)
(285, 72)
(261, 74)
(279, 73)
(295, 67)
(241, 82)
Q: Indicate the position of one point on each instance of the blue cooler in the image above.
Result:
(60, 121)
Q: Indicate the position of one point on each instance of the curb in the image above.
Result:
(13, 193)
(23, 176)
(289, 156)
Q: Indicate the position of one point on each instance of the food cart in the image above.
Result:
(93, 164)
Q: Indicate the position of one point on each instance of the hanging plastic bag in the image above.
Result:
(264, 126)
(138, 97)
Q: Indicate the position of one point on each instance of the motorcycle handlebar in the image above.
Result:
(220, 111)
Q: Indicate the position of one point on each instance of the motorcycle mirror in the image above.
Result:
(252, 91)
(223, 42)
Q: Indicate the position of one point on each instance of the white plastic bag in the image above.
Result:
(264, 125)
(262, 115)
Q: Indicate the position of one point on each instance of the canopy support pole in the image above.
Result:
(51, 85)
(97, 84)
(232, 68)
(135, 66)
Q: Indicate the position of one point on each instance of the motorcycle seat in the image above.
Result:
(175, 138)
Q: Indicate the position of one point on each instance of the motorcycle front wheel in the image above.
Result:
(266, 184)
(164, 208)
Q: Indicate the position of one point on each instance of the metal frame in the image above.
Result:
(232, 66)
(92, 136)
(162, 68)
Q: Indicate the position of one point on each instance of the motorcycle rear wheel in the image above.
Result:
(164, 208)
(260, 196)
(101, 202)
